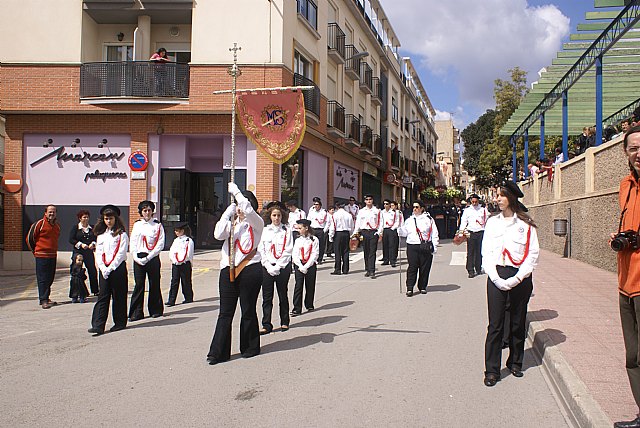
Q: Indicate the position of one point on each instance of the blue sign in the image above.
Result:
(138, 161)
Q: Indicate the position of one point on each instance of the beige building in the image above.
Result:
(448, 169)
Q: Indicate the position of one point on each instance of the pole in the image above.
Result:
(234, 72)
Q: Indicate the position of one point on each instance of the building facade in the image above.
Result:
(90, 120)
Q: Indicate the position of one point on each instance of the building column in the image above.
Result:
(138, 188)
(268, 178)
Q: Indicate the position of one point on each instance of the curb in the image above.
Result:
(582, 409)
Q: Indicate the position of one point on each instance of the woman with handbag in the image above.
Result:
(422, 243)
(509, 253)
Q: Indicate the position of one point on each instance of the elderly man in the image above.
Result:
(42, 240)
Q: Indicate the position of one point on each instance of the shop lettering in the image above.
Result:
(344, 185)
(104, 176)
(60, 155)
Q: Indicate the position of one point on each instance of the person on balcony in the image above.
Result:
(159, 71)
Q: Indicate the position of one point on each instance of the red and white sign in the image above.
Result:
(138, 161)
(389, 177)
(11, 182)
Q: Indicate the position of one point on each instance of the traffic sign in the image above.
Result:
(138, 161)
(11, 182)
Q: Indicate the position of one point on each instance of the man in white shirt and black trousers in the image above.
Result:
(473, 220)
(369, 225)
(340, 229)
(391, 221)
(319, 218)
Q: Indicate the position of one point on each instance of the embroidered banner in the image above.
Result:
(275, 122)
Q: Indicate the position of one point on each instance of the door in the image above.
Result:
(206, 208)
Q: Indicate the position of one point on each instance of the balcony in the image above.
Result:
(336, 43)
(352, 67)
(366, 78)
(352, 137)
(395, 160)
(134, 81)
(311, 96)
(377, 147)
(376, 96)
(335, 119)
(413, 167)
(366, 140)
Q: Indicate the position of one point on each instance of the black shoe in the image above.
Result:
(471, 274)
(156, 315)
(345, 273)
(385, 263)
(295, 313)
(133, 319)
(409, 293)
(505, 345)
(187, 301)
(95, 331)
(373, 275)
(336, 272)
(516, 372)
(264, 331)
(311, 309)
(212, 361)
(394, 264)
(423, 291)
(117, 328)
(628, 424)
(491, 380)
(169, 304)
(250, 354)
(367, 274)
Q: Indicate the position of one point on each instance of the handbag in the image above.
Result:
(425, 246)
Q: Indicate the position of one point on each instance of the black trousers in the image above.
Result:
(390, 245)
(419, 267)
(474, 252)
(154, 301)
(518, 298)
(281, 283)
(330, 249)
(115, 289)
(245, 288)
(341, 244)
(319, 233)
(90, 264)
(370, 246)
(45, 274)
(181, 273)
(307, 281)
(629, 316)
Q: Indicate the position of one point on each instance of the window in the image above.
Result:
(394, 108)
(309, 10)
(302, 66)
(115, 53)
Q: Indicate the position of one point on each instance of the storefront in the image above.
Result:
(372, 184)
(345, 183)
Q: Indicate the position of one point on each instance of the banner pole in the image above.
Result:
(234, 71)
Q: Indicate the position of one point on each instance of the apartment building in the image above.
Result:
(90, 120)
(448, 163)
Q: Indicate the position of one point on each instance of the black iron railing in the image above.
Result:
(366, 140)
(336, 39)
(134, 79)
(353, 127)
(366, 76)
(377, 91)
(353, 64)
(335, 116)
(311, 96)
(413, 167)
(395, 158)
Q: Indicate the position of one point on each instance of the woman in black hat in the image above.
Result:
(181, 255)
(111, 258)
(147, 241)
(244, 282)
(509, 254)
(306, 250)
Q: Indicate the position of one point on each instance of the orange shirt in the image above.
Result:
(629, 261)
(45, 237)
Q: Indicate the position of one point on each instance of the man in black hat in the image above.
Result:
(147, 241)
(369, 225)
(320, 220)
(473, 220)
(340, 229)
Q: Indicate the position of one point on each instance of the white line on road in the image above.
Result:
(458, 258)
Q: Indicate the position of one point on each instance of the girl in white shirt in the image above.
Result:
(509, 253)
(111, 255)
(275, 249)
(304, 257)
(181, 255)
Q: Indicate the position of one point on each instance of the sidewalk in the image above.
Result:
(575, 327)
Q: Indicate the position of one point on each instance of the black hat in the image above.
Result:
(144, 204)
(252, 199)
(340, 204)
(474, 195)
(513, 189)
(110, 208)
(317, 199)
(523, 207)
(292, 203)
(181, 225)
(278, 204)
(304, 222)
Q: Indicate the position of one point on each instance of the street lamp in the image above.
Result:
(359, 55)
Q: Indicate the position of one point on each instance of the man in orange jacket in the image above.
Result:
(627, 243)
(42, 240)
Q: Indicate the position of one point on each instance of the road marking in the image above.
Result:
(18, 335)
(458, 258)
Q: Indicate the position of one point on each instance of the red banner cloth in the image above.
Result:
(275, 122)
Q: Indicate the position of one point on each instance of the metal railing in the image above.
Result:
(366, 140)
(134, 79)
(353, 127)
(376, 84)
(366, 76)
(335, 116)
(353, 64)
(311, 96)
(336, 39)
(395, 158)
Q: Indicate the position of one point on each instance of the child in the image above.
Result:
(77, 287)
(305, 255)
(181, 254)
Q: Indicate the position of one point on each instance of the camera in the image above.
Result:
(627, 240)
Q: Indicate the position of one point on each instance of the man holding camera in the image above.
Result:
(626, 244)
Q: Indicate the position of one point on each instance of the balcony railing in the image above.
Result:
(366, 140)
(134, 79)
(413, 167)
(366, 78)
(353, 130)
(311, 96)
(377, 146)
(336, 43)
(395, 159)
(335, 119)
(376, 95)
(352, 67)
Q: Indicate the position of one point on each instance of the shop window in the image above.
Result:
(291, 178)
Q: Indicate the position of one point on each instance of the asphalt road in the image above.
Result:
(367, 356)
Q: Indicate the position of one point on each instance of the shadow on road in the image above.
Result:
(442, 288)
(164, 321)
(316, 322)
(542, 315)
(194, 309)
(543, 340)
(335, 305)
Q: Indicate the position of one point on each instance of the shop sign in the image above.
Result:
(61, 156)
(370, 169)
(345, 181)
(389, 178)
(407, 180)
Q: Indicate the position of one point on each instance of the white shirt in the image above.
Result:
(474, 218)
(559, 158)
(342, 221)
(423, 224)
(294, 216)
(146, 237)
(369, 219)
(392, 219)
(320, 219)
(246, 234)
(181, 250)
(111, 251)
(275, 246)
(305, 251)
(504, 237)
(353, 209)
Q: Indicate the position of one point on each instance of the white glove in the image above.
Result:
(229, 212)
(501, 284)
(435, 249)
(275, 271)
(303, 270)
(106, 273)
(233, 188)
(330, 239)
(511, 282)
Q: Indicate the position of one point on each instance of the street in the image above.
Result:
(367, 356)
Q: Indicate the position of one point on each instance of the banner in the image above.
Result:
(275, 122)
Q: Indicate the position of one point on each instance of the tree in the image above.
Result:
(476, 136)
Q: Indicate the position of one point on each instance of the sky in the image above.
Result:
(461, 46)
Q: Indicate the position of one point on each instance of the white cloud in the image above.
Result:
(473, 42)
(459, 116)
